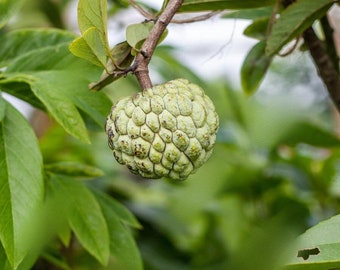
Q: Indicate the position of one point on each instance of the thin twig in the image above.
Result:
(273, 18)
(291, 49)
(142, 11)
(199, 18)
(143, 58)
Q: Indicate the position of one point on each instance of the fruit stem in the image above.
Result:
(143, 58)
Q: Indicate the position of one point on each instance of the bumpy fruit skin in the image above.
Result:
(167, 130)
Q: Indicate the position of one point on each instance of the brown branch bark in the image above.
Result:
(143, 58)
(330, 41)
(327, 66)
(324, 64)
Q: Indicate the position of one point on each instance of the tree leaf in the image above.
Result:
(257, 29)
(305, 132)
(54, 13)
(92, 14)
(254, 68)
(74, 88)
(65, 235)
(4, 264)
(56, 261)
(85, 216)
(294, 20)
(22, 91)
(54, 76)
(318, 247)
(74, 169)
(120, 210)
(55, 102)
(90, 47)
(205, 5)
(249, 14)
(47, 223)
(20, 42)
(2, 107)
(121, 58)
(122, 245)
(326, 232)
(137, 33)
(321, 257)
(8, 9)
(93, 44)
(119, 53)
(21, 183)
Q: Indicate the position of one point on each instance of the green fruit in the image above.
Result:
(167, 130)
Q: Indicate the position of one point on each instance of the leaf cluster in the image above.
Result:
(45, 207)
(275, 168)
(278, 29)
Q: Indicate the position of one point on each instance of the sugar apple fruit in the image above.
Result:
(167, 130)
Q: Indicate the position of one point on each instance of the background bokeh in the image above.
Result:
(275, 170)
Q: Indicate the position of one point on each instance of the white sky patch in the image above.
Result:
(22, 106)
(212, 48)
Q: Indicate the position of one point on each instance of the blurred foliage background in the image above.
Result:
(274, 173)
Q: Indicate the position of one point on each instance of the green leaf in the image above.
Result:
(122, 245)
(305, 132)
(9, 8)
(21, 183)
(95, 105)
(22, 91)
(258, 29)
(122, 57)
(74, 169)
(73, 87)
(93, 44)
(205, 5)
(50, 221)
(54, 12)
(56, 261)
(254, 68)
(4, 264)
(85, 216)
(51, 78)
(55, 102)
(326, 232)
(318, 247)
(90, 47)
(65, 235)
(322, 257)
(92, 14)
(249, 14)
(137, 33)
(2, 107)
(271, 240)
(294, 20)
(17, 43)
(120, 210)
